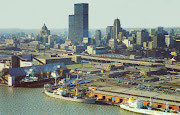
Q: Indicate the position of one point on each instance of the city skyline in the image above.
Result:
(132, 13)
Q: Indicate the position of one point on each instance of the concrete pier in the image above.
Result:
(118, 95)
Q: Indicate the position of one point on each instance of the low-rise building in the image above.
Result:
(67, 59)
(27, 63)
(96, 50)
(14, 75)
(115, 74)
(87, 40)
(108, 67)
(9, 41)
(48, 60)
(89, 70)
(78, 48)
(113, 43)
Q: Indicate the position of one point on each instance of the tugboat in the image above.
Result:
(138, 107)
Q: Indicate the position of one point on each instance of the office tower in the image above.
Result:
(109, 29)
(171, 33)
(160, 30)
(71, 27)
(152, 32)
(106, 38)
(116, 29)
(142, 36)
(80, 21)
(98, 37)
(108, 33)
(44, 33)
(159, 41)
(22, 34)
(37, 38)
(169, 41)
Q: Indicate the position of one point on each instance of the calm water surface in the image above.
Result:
(30, 101)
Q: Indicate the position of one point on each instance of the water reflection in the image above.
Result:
(30, 101)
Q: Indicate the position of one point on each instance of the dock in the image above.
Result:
(116, 95)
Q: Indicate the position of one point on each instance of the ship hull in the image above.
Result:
(34, 84)
(88, 100)
(145, 111)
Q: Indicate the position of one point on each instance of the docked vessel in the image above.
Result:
(72, 81)
(35, 83)
(33, 76)
(62, 93)
(138, 107)
(31, 81)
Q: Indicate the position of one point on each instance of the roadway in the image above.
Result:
(107, 59)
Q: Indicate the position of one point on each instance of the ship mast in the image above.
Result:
(150, 102)
(55, 80)
(76, 93)
(166, 107)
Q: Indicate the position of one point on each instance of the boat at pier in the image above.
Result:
(31, 81)
(33, 76)
(138, 107)
(62, 93)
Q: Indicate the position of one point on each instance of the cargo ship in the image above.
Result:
(62, 93)
(138, 107)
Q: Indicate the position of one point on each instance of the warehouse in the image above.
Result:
(14, 75)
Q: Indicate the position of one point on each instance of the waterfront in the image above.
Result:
(30, 101)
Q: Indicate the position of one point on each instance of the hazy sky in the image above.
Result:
(32, 14)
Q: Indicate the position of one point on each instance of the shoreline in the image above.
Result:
(1, 84)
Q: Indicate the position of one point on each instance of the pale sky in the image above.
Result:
(32, 14)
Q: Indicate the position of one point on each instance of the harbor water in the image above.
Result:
(31, 101)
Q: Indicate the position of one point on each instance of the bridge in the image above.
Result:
(107, 59)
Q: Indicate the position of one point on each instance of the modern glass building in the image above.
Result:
(71, 27)
(116, 29)
(98, 37)
(80, 21)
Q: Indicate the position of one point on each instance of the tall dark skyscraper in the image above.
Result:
(142, 36)
(116, 29)
(71, 27)
(160, 30)
(159, 41)
(80, 21)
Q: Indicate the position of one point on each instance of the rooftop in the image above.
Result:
(47, 57)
